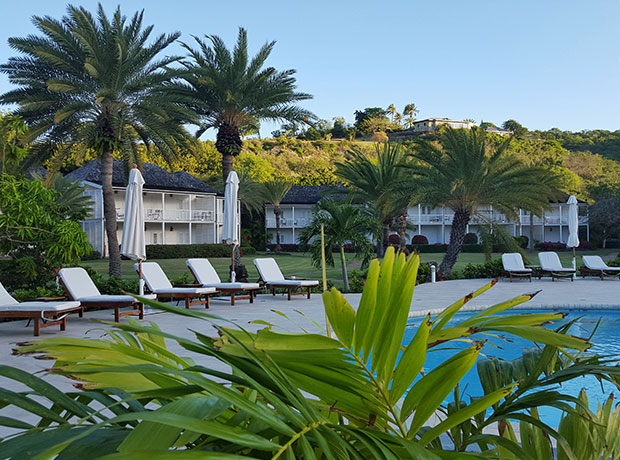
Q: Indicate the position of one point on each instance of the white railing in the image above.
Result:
(159, 215)
(436, 219)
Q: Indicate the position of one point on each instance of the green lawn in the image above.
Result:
(299, 264)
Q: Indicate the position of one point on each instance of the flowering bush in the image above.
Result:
(419, 239)
(470, 238)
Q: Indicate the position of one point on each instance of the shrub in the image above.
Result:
(285, 247)
(247, 250)
(491, 269)
(394, 239)
(551, 246)
(94, 255)
(357, 279)
(522, 240)
(185, 251)
(470, 238)
(419, 239)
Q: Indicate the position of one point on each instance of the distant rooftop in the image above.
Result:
(154, 177)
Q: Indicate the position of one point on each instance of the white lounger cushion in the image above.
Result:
(182, 290)
(8, 303)
(596, 263)
(550, 262)
(513, 262)
(78, 283)
(158, 282)
(270, 273)
(208, 277)
(298, 283)
(113, 298)
(40, 306)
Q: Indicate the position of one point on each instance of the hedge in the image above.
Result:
(425, 248)
(185, 251)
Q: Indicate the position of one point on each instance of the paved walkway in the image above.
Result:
(561, 295)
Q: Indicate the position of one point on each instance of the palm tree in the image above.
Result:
(343, 224)
(463, 174)
(273, 193)
(235, 91)
(410, 112)
(391, 110)
(369, 181)
(97, 82)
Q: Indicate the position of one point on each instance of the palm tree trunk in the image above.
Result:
(457, 235)
(109, 212)
(402, 233)
(385, 236)
(276, 211)
(227, 165)
(345, 275)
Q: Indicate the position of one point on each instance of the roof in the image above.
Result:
(442, 119)
(154, 177)
(310, 194)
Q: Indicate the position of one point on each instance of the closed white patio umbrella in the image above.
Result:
(573, 227)
(133, 240)
(229, 232)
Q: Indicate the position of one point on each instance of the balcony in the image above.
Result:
(483, 218)
(171, 215)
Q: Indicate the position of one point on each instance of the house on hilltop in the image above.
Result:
(432, 124)
(178, 207)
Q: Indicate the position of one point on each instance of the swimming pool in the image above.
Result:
(606, 341)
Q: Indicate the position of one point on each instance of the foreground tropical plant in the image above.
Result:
(342, 224)
(358, 395)
(96, 81)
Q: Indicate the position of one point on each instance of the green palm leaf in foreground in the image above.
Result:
(267, 394)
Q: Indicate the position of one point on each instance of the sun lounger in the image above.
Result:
(78, 286)
(206, 276)
(513, 266)
(44, 314)
(594, 265)
(550, 263)
(271, 275)
(158, 283)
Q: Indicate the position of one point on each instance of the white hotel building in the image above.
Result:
(178, 208)
(433, 223)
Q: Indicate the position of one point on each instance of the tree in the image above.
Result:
(391, 110)
(98, 83)
(517, 128)
(232, 90)
(36, 231)
(12, 152)
(343, 224)
(369, 182)
(368, 113)
(273, 193)
(463, 174)
(410, 111)
(604, 217)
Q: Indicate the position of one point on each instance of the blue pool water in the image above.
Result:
(606, 341)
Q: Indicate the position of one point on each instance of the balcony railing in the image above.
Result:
(287, 222)
(436, 219)
(159, 215)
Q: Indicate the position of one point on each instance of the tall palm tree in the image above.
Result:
(235, 91)
(273, 193)
(97, 82)
(369, 181)
(462, 173)
(410, 111)
(343, 224)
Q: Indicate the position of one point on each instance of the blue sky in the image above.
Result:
(546, 64)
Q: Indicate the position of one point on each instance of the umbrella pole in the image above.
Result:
(574, 263)
(233, 274)
(140, 280)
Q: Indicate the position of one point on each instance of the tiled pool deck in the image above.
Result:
(559, 295)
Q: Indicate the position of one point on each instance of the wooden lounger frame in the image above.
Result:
(139, 306)
(290, 290)
(251, 293)
(558, 275)
(518, 274)
(585, 271)
(40, 317)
